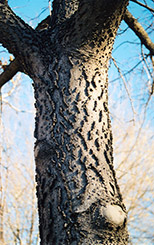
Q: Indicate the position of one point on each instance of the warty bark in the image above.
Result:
(79, 200)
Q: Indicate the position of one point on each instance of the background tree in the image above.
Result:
(20, 218)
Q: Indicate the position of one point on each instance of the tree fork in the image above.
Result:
(14, 67)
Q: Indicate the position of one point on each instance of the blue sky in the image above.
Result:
(29, 10)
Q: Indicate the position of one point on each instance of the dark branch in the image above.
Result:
(139, 31)
(14, 66)
(143, 5)
(9, 72)
(16, 36)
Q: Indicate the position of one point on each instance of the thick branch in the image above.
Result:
(14, 66)
(139, 31)
(16, 35)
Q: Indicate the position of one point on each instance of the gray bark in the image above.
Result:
(79, 200)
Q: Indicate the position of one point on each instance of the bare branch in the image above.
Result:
(139, 31)
(15, 108)
(147, 69)
(9, 72)
(125, 85)
(14, 66)
(152, 75)
(124, 74)
(143, 5)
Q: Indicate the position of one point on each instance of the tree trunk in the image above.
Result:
(79, 200)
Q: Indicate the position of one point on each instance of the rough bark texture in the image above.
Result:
(79, 199)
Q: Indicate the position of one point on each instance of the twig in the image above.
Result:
(139, 131)
(125, 85)
(15, 108)
(147, 70)
(126, 72)
(152, 61)
(143, 5)
(125, 42)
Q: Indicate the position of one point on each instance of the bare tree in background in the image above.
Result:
(18, 181)
(133, 154)
(83, 66)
